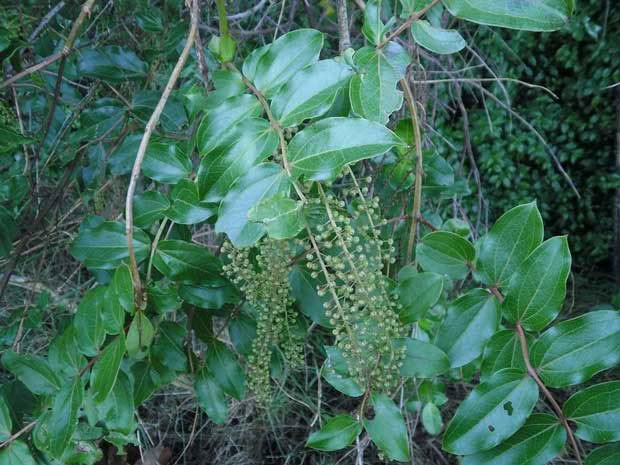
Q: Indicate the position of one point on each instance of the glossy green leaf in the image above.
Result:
(88, 322)
(529, 15)
(491, 413)
(6, 424)
(283, 217)
(139, 336)
(511, 239)
(63, 418)
(207, 296)
(260, 182)
(186, 206)
(418, 294)
(606, 455)
(83, 453)
(338, 433)
(435, 39)
(163, 297)
(226, 369)
(7, 231)
(32, 370)
(254, 140)
(187, 262)
(431, 419)
(445, 253)
(118, 408)
(150, 20)
(149, 207)
(111, 63)
(284, 58)
(168, 349)
(596, 411)
(118, 299)
(303, 289)
(64, 356)
(422, 359)
(336, 372)
(387, 429)
(227, 84)
(143, 385)
(219, 123)
(242, 331)
(121, 161)
(373, 92)
(320, 151)
(539, 441)
(573, 351)
(104, 372)
(470, 321)
(311, 92)
(173, 116)
(16, 453)
(503, 350)
(211, 397)
(535, 294)
(373, 27)
(167, 162)
(105, 245)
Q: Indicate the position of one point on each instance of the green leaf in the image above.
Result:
(445, 253)
(63, 418)
(149, 207)
(336, 372)
(83, 453)
(6, 424)
(373, 92)
(163, 297)
(168, 349)
(187, 262)
(32, 370)
(596, 411)
(431, 419)
(186, 206)
(387, 429)
(539, 441)
(104, 245)
(503, 350)
(311, 92)
(166, 162)
(119, 299)
(208, 297)
(606, 455)
(470, 321)
(303, 289)
(105, 370)
(117, 410)
(283, 217)
(111, 63)
(211, 397)
(227, 84)
(491, 413)
(139, 336)
(284, 58)
(422, 359)
(226, 370)
(338, 433)
(511, 239)
(16, 453)
(435, 39)
(8, 229)
(418, 294)
(320, 151)
(172, 118)
(219, 123)
(143, 385)
(260, 182)
(88, 322)
(64, 356)
(529, 15)
(254, 140)
(535, 294)
(373, 27)
(242, 331)
(573, 351)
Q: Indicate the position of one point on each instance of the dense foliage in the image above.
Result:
(298, 213)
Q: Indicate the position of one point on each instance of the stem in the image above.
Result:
(343, 27)
(150, 127)
(160, 231)
(556, 407)
(275, 125)
(413, 18)
(25, 429)
(419, 170)
(222, 18)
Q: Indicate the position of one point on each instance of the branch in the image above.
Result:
(556, 407)
(412, 19)
(343, 27)
(148, 131)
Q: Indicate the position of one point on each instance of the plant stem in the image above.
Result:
(135, 173)
(556, 407)
(413, 18)
(419, 169)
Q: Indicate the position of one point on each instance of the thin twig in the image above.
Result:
(46, 19)
(413, 18)
(518, 81)
(344, 40)
(150, 127)
(25, 429)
